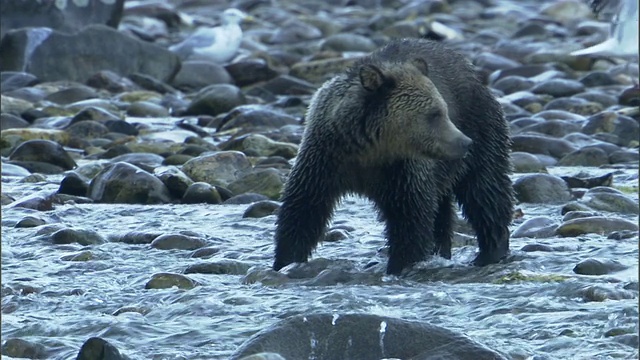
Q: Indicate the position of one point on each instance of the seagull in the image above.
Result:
(623, 34)
(217, 44)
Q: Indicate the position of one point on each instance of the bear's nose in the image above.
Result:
(465, 143)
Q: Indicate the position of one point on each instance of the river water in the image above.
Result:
(551, 314)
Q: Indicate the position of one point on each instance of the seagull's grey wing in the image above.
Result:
(199, 39)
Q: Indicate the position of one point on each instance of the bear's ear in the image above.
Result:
(421, 65)
(371, 77)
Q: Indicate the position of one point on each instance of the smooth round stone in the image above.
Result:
(220, 267)
(585, 157)
(541, 189)
(216, 99)
(220, 168)
(13, 105)
(246, 198)
(93, 113)
(348, 42)
(147, 109)
(259, 145)
(559, 87)
(598, 78)
(147, 160)
(618, 157)
(87, 129)
(14, 170)
(594, 225)
(81, 236)
(253, 117)
(175, 180)
(535, 228)
(195, 75)
(261, 209)
(250, 71)
(74, 184)
(12, 80)
(555, 128)
(177, 241)
(268, 182)
(534, 144)
(112, 82)
(19, 348)
(72, 95)
(492, 62)
(121, 127)
(593, 266)
(10, 121)
(574, 105)
(612, 202)
(201, 193)
(125, 183)
(526, 163)
(512, 84)
(169, 280)
(44, 151)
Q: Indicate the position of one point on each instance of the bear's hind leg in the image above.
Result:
(487, 202)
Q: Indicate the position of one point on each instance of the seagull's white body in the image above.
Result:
(623, 35)
(217, 44)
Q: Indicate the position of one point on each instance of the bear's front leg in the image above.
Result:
(307, 205)
(408, 202)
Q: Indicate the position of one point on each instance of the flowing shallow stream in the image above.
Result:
(533, 306)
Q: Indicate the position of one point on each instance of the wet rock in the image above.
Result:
(10, 121)
(81, 256)
(598, 78)
(220, 267)
(526, 163)
(81, 236)
(511, 84)
(535, 144)
(624, 156)
(601, 293)
(536, 247)
(125, 183)
(555, 128)
(72, 95)
(261, 209)
(14, 170)
(195, 75)
(175, 180)
(40, 201)
(87, 129)
(43, 151)
(19, 348)
(147, 109)
(541, 188)
(205, 253)
(613, 202)
(139, 159)
(220, 168)
(576, 214)
(246, 198)
(623, 234)
(136, 237)
(216, 99)
(94, 113)
(535, 228)
(319, 71)
(74, 184)
(260, 145)
(14, 106)
(112, 82)
(254, 118)
(54, 55)
(67, 16)
(598, 267)
(30, 221)
(588, 182)
(585, 157)
(13, 80)
(250, 71)
(492, 62)
(169, 280)
(348, 42)
(283, 85)
(201, 193)
(34, 178)
(268, 182)
(293, 31)
(177, 241)
(574, 105)
(625, 129)
(351, 336)
(334, 235)
(594, 225)
(630, 97)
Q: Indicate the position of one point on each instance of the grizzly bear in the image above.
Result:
(408, 126)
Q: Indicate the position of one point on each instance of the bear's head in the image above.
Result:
(406, 112)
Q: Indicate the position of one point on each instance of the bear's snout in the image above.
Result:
(457, 147)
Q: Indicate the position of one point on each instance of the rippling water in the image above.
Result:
(76, 300)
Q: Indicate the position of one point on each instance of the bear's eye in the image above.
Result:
(434, 115)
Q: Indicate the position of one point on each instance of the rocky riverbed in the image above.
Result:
(139, 190)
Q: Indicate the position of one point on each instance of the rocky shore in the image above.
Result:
(110, 142)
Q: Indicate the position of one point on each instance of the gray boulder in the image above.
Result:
(361, 336)
(125, 183)
(67, 16)
(52, 55)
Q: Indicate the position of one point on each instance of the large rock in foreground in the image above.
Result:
(52, 55)
(362, 336)
(127, 184)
